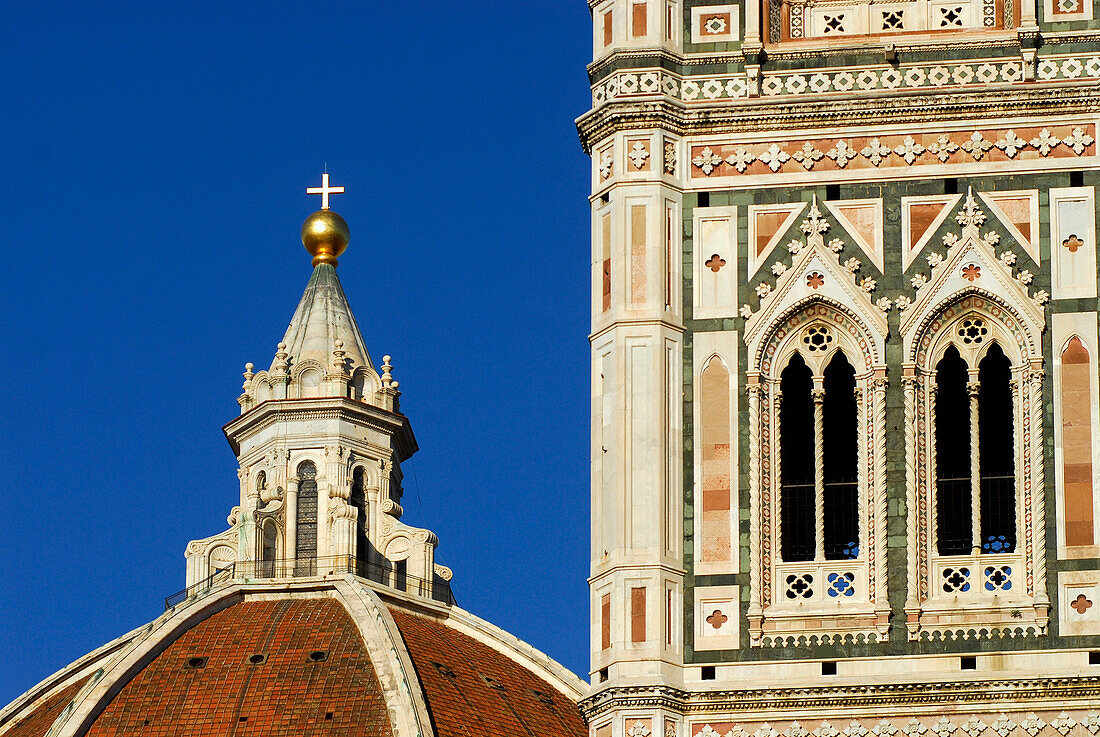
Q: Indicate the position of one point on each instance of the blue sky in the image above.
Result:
(154, 160)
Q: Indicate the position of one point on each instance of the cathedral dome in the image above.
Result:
(319, 611)
(333, 656)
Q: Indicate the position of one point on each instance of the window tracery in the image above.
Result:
(817, 506)
(819, 457)
(973, 390)
(819, 314)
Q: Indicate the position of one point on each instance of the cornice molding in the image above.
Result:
(769, 113)
(1024, 691)
(628, 322)
(328, 408)
(821, 54)
(603, 66)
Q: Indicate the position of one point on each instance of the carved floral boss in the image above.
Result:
(900, 150)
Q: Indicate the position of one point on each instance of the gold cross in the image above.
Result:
(324, 190)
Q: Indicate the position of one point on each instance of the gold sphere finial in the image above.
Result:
(325, 235)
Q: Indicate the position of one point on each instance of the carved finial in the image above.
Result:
(387, 377)
(970, 216)
(280, 358)
(247, 376)
(338, 356)
(815, 225)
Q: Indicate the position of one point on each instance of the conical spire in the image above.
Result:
(322, 318)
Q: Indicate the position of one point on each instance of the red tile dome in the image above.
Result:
(341, 658)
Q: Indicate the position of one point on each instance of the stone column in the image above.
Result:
(911, 384)
(341, 534)
(975, 473)
(291, 540)
(819, 471)
(755, 611)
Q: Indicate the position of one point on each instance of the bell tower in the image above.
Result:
(320, 441)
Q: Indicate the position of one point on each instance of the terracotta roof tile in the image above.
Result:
(474, 690)
(287, 694)
(38, 722)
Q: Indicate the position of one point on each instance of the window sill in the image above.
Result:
(856, 622)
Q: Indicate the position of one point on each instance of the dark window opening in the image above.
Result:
(708, 673)
(1076, 179)
(542, 697)
(358, 499)
(306, 532)
(603, 674)
(953, 495)
(841, 451)
(950, 186)
(1094, 657)
(704, 199)
(968, 662)
(492, 683)
(443, 670)
(401, 574)
(828, 668)
(196, 662)
(996, 453)
(796, 433)
(318, 655)
(832, 191)
(270, 545)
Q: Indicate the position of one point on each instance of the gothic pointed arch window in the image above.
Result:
(840, 515)
(953, 498)
(305, 534)
(997, 467)
(796, 462)
(975, 502)
(973, 401)
(819, 462)
(817, 479)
